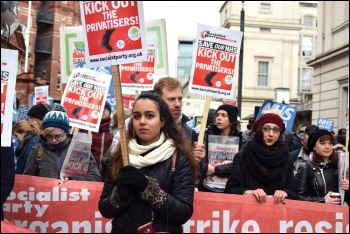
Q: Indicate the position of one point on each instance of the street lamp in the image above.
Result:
(240, 74)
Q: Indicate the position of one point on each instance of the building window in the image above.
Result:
(306, 78)
(307, 46)
(308, 21)
(307, 4)
(184, 60)
(185, 48)
(59, 80)
(265, 7)
(63, 16)
(265, 30)
(263, 73)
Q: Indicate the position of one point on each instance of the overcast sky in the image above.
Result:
(181, 18)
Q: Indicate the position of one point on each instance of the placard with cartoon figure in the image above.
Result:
(215, 66)
(84, 98)
(139, 76)
(114, 32)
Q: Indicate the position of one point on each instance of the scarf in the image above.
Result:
(265, 164)
(25, 140)
(104, 125)
(163, 149)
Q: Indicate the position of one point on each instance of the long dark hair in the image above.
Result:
(233, 127)
(170, 130)
(258, 137)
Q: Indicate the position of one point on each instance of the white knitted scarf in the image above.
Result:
(164, 151)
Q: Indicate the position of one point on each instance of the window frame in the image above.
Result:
(259, 74)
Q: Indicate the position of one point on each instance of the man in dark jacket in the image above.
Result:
(7, 174)
(302, 154)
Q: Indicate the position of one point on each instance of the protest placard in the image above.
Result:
(9, 64)
(114, 32)
(139, 76)
(221, 150)
(85, 97)
(41, 95)
(215, 64)
(77, 161)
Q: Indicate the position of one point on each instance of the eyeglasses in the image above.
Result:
(56, 137)
(268, 129)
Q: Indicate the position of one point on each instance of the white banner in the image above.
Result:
(9, 64)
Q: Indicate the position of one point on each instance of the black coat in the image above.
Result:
(240, 179)
(190, 133)
(7, 174)
(310, 180)
(176, 211)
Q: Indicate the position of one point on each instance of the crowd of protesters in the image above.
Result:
(167, 164)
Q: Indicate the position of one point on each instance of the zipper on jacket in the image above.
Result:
(324, 182)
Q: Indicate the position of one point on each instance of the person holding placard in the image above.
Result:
(263, 167)
(214, 177)
(157, 187)
(47, 160)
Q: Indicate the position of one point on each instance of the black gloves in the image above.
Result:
(132, 178)
(124, 191)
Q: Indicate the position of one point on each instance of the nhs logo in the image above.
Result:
(327, 124)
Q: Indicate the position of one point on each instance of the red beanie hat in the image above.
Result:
(269, 118)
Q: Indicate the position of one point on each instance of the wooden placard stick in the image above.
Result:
(137, 93)
(120, 114)
(346, 159)
(204, 119)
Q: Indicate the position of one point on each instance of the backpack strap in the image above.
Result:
(173, 162)
(38, 159)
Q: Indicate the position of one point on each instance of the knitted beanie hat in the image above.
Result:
(269, 118)
(39, 111)
(231, 110)
(57, 118)
(108, 106)
(315, 135)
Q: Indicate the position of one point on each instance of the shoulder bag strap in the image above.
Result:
(38, 159)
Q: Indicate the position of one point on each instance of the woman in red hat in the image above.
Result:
(263, 167)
